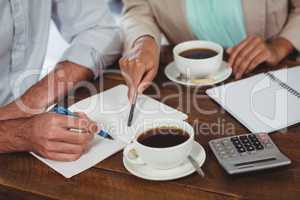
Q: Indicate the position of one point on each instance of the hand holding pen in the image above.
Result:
(64, 111)
(50, 135)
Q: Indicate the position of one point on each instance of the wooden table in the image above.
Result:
(24, 177)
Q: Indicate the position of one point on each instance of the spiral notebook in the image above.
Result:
(266, 102)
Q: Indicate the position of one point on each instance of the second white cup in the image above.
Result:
(198, 68)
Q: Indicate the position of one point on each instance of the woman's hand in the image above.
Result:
(254, 50)
(139, 66)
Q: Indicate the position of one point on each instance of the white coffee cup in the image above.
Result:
(160, 158)
(198, 68)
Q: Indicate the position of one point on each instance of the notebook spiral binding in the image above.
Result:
(284, 85)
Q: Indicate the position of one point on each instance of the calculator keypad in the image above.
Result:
(248, 152)
(242, 145)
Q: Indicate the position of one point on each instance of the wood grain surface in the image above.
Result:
(24, 177)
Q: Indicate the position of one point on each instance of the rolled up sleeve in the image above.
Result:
(91, 31)
(137, 21)
(291, 30)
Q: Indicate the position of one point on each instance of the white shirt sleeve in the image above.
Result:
(91, 30)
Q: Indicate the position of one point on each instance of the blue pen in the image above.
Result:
(64, 111)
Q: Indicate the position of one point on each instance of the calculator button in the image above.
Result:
(252, 136)
(235, 140)
(247, 144)
(234, 155)
(245, 140)
(259, 147)
(226, 142)
(229, 148)
(241, 150)
(243, 137)
(257, 143)
(220, 148)
(250, 148)
(217, 144)
(232, 151)
(237, 144)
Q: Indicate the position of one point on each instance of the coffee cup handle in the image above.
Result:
(132, 156)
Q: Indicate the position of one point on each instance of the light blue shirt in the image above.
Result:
(220, 21)
(86, 24)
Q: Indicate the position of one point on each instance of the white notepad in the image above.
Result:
(263, 103)
(111, 109)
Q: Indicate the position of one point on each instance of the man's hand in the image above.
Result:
(139, 67)
(253, 51)
(50, 135)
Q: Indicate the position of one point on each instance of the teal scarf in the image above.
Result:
(220, 21)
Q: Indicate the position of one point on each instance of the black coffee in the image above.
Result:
(163, 137)
(199, 53)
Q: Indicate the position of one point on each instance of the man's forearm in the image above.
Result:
(44, 93)
(10, 140)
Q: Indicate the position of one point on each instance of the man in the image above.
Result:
(95, 44)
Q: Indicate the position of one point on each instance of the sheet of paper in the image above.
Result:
(110, 110)
(100, 149)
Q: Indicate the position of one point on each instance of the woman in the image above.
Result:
(253, 31)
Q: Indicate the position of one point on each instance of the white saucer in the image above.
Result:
(173, 74)
(148, 173)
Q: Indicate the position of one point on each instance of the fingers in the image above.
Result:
(80, 122)
(70, 137)
(140, 64)
(93, 126)
(258, 60)
(234, 51)
(146, 82)
(140, 70)
(61, 156)
(242, 67)
(61, 147)
(133, 71)
(244, 56)
(52, 137)
(131, 93)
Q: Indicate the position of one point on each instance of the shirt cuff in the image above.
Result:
(131, 38)
(85, 56)
(293, 37)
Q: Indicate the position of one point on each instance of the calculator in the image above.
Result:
(248, 152)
